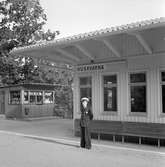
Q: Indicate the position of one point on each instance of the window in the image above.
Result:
(26, 97)
(110, 93)
(86, 87)
(15, 97)
(32, 97)
(138, 92)
(39, 97)
(36, 97)
(48, 97)
(163, 90)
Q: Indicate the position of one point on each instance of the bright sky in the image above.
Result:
(72, 17)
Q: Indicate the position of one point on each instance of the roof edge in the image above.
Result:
(92, 34)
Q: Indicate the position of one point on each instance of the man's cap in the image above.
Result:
(84, 99)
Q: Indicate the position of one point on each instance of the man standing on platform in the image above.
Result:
(86, 117)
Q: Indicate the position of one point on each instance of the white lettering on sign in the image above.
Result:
(90, 68)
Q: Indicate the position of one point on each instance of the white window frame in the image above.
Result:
(81, 76)
(160, 93)
(9, 102)
(44, 96)
(102, 93)
(129, 93)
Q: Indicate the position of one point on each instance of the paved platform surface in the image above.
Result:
(17, 151)
(49, 127)
(52, 143)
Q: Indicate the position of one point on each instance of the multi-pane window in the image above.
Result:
(15, 97)
(86, 87)
(138, 91)
(38, 97)
(48, 97)
(110, 92)
(163, 90)
(32, 97)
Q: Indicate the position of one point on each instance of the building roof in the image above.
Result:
(36, 86)
(135, 39)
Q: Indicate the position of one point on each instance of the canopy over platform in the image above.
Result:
(110, 44)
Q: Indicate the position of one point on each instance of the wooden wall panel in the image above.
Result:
(151, 65)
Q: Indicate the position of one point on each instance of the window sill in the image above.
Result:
(162, 115)
(137, 114)
(113, 113)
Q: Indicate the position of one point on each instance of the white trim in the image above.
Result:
(109, 45)
(148, 101)
(84, 51)
(146, 24)
(92, 87)
(113, 113)
(161, 114)
(142, 41)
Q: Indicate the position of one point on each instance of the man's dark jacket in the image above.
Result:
(86, 116)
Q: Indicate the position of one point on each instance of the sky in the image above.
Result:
(72, 17)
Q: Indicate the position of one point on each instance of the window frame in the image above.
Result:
(82, 76)
(28, 102)
(11, 90)
(107, 73)
(44, 96)
(130, 113)
(161, 113)
(117, 91)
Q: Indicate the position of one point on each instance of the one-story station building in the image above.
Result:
(27, 100)
(122, 70)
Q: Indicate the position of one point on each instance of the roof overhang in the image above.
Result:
(110, 44)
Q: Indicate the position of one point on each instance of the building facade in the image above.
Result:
(122, 70)
(27, 101)
(130, 90)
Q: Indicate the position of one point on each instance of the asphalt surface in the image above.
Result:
(17, 151)
(49, 143)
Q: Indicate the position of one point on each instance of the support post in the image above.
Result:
(98, 136)
(122, 139)
(114, 138)
(158, 143)
(140, 140)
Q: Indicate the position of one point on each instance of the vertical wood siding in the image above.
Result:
(152, 65)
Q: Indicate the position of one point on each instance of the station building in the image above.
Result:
(25, 101)
(122, 70)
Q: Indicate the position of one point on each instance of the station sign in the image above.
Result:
(95, 67)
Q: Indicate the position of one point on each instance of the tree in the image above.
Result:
(23, 20)
(21, 24)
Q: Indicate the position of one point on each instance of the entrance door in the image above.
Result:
(2, 102)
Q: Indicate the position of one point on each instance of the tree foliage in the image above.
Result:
(21, 24)
(23, 21)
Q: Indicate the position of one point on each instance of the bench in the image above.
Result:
(123, 129)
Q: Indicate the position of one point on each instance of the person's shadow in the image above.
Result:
(52, 141)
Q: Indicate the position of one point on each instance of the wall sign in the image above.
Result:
(90, 67)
